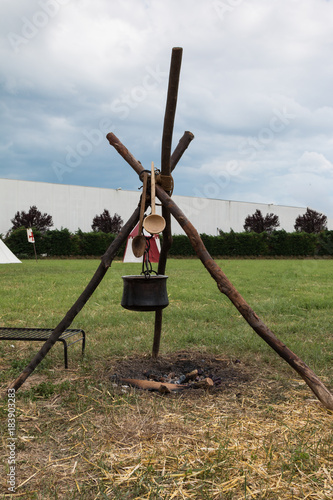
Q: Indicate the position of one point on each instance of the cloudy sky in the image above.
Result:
(255, 90)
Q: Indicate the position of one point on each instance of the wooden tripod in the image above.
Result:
(169, 208)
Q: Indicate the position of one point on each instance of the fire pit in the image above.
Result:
(179, 372)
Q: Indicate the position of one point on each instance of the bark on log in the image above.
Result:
(227, 288)
(170, 111)
(181, 147)
(136, 165)
(169, 120)
(175, 157)
(106, 261)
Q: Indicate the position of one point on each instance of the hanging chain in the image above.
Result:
(146, 264)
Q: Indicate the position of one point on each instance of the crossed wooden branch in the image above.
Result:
(226, 287)
(170, 207)
(106, 261)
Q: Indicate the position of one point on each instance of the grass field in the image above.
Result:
(264, 436)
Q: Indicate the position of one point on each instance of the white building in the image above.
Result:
(74, 207)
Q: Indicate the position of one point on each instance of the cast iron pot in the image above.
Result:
(145, 293)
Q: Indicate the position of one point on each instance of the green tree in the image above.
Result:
(106, 223)
(258, 223)
(34, 218)
(311, 222)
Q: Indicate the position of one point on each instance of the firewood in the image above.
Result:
(191, 375)
(206, 383)
(151, 385)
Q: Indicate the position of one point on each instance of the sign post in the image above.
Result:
(31, 239)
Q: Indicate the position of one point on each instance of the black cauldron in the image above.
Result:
(145, 292)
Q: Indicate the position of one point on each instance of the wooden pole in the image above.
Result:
(35, 251)
(170, 109)
(106, 261)
(175, 157)
(169, 119)
(181, 147)
(227, 288)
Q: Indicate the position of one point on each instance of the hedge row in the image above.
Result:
(59, 243)
(279, 243)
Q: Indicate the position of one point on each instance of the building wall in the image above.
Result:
(74, 207)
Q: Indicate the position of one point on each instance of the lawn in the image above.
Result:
(263, 434)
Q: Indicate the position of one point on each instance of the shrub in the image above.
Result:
(311, 222)
(106, 223)
(258, 223)
(18, 243)
(325, 243)
(181, 246)
(33, 218)
(57, 243)
(95, 243)
(278, 243)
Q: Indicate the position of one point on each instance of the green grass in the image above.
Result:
(293, 297)
(81, 437)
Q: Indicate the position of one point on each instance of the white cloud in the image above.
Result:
(312, 162)
(88, 63)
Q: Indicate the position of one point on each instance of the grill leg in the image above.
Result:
(83, 341)
(65, 352)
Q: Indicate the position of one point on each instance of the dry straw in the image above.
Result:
(140, 445)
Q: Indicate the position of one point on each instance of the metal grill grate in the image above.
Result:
(42, 334)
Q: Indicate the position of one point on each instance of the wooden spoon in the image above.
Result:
(139, 242)
(154, 223)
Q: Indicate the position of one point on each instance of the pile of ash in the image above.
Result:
(177, 372)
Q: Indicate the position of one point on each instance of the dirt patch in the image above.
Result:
(227, 374)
